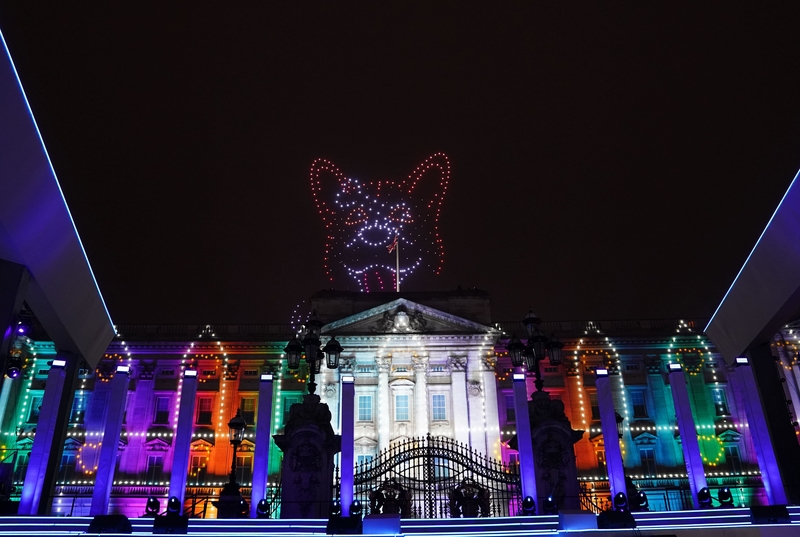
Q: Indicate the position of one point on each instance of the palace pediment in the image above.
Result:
(402, 316)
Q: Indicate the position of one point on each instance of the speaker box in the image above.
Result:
(346, 525)
(769, 514)
(110, 524)
(613, 520)
(175, 524)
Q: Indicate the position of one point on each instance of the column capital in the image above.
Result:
(383, 363)
(420, 364)
(457, 363)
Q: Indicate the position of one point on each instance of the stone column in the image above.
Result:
(767, 462)
(458, 378)
(688, 431)
(183, 436)
(527, 468)
(384, 410)
(348, 392)
(421, 421)
(47, 442)
(118, 393)
(491, 416)
(261, 450)
(608, 423)
(475, 403)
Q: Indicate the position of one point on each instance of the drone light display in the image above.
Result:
(362, 220)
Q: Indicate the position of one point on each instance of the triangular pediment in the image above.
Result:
(402, 316)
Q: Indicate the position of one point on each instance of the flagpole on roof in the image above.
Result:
(397, 273)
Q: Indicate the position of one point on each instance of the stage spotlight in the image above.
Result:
(335, 509)
(621, 502)
(244, 509)
(152, 507)
(24, 327)
(355, 508)
(13, 367)
(704, 498)
(550, 506)
(262, 509)
(640, 502)
(725, 497)
(173, 506)
(528, 506)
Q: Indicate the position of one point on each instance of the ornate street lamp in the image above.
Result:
(534, 352)
(314, 355)
(332, 351)
(236, 428)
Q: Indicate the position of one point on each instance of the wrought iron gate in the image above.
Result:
(437, 477)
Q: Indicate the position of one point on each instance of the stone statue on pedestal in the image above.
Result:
(553, 438)
(308, 446)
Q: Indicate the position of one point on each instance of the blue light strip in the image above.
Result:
(53, 171)
(753, 250)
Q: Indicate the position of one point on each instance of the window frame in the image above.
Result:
(442, 397)
(367, 415)
(406, 406)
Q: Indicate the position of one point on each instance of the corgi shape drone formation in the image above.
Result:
(364, 219)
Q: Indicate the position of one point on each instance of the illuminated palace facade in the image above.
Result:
(427, 363)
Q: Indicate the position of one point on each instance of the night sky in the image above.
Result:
(609, 160)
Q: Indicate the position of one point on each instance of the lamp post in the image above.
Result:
(528, 357)
(236, 429)
(314, 355)
(230, 503)
(534, 352)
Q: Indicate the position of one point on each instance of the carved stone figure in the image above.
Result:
(308, 444)
(554, 454)
(390, 498)
(469, 500)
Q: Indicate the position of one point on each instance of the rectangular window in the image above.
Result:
(197, 469)
(22, 466)
(439, 407)
(204, 414)
(209, 372)
(595, 406)
(251, 372)
(401, 408)
(288, 401)
(511, 414)
(637, 401)
(66, 472)
(631, 367)
(720, 401)
(513, 458)
(155, 468)
(601, 461)
(78, 406)
(244, 469)
(363, 459)
(648, 457)
(167, 372)
(36, 407)
(249, 409)
(161, 416)
(364, 408)
(733, 460)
